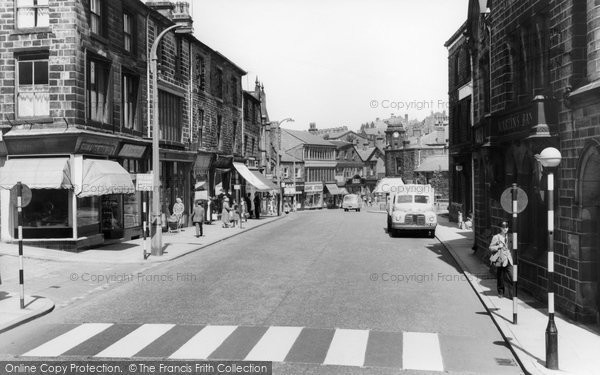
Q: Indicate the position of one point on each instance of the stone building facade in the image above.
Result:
(460, 88)
(535, 85)
(75, 94)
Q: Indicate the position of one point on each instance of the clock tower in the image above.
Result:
(395, 134)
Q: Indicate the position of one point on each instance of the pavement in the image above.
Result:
(127, 256)
(578, 344)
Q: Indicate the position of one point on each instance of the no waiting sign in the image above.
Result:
(506, 200)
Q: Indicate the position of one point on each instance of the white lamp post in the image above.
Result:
(550, 158)
(156, 244)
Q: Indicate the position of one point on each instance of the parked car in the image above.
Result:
(351, 202)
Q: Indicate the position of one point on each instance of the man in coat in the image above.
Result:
(257, 205)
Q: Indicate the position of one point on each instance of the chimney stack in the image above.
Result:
(312, 127)
(163, 7)
(181, 14)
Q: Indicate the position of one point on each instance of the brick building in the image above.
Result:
(74, 100)
(535, 85)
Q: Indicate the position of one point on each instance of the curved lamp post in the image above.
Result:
(156, 244)
(550, 158)
(278, 167)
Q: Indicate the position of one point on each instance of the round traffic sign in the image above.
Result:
(25, 195)
(506, 200)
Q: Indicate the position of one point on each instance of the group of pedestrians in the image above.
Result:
(232, 213)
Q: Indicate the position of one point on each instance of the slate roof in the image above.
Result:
(303, 137)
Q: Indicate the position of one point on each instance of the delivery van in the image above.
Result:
(411, 208)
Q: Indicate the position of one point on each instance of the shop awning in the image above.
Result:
(333, 189)
(264, 180)
(103, 177)
(36, 173)
(251, 178)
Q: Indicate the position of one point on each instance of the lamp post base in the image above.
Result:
(551, 345)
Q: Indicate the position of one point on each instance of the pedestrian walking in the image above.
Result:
(243, 211)
(235, 214)
(502, 258)
(460, 220)
(248, 204)
(178, 209)
(256, 206)
(225, 218)
(198, 218)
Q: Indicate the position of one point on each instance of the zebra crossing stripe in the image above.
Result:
(201, 345)
(135, 341)
(421, 351)
(348, 347)
(68, 340)
(275, 344)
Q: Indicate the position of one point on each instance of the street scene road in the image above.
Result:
(317, 292)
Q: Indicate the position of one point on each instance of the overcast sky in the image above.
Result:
(337, 62)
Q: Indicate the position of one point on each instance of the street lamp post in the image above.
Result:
(156, 244)
(550, 158)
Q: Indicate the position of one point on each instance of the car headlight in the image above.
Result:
(431, 219)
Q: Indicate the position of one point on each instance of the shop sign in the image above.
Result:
(289, 191)
(237, 187)
(312, 188)
(132, 151)
(86, 147)
(144, 181)
(356, 180)
(515, 122)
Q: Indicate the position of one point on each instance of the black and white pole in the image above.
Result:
(20, 238)
(515, 246)
(551, 331)
(144, 223)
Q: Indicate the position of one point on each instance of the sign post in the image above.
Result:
(144, 183)
(20, 189)
(514, 200)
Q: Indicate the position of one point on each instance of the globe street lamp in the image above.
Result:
(550, 158)
(156, 244)
(278, 161)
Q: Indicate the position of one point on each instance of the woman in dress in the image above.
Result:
(225, 213)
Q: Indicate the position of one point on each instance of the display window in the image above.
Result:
(88, 211)
(131, 210)
(48, 208)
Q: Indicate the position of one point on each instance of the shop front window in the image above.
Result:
(88, 211)
(131, 210)
(112, 214)
(49, 208)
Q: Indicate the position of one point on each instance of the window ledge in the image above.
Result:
(31, 30)
(33, 120)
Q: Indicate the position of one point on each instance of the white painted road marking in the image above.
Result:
(275, 344)
(421, 351)
(204, 342)
(348, 347)
(135, 341)
(68, 340)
